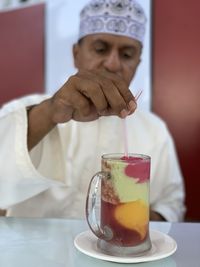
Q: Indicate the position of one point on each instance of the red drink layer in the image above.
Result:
(133, 169)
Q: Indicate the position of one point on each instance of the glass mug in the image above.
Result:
(121, 190)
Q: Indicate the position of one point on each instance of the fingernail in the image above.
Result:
(124, 113)
(132, 105)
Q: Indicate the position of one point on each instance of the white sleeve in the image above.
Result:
(169, 183)
(20, 178)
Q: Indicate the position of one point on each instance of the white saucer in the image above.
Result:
(162, 247)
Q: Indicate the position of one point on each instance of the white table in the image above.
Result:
(49, 243)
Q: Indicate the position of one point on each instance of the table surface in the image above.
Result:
(50, 242)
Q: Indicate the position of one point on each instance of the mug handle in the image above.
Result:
(91, 207)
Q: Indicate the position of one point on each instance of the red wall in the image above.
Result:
(176, 85)
(21, 52)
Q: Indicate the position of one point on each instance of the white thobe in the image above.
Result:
(52, 180)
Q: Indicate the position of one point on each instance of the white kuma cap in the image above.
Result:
(119, 17)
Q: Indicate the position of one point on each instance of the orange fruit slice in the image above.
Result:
(134, 216)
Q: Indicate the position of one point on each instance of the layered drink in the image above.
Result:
(125, 200)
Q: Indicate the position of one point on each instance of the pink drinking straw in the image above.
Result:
(124, 127)
(125, 137)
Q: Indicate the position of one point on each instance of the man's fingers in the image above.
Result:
(88, 95)
(93, 91)
(75, 100)
(121, 86)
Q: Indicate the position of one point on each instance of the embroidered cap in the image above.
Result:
(119, 17)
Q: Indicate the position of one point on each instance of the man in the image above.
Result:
(53, 144)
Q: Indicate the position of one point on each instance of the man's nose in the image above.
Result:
(112, 62)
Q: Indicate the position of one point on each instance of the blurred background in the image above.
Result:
(35, 57)
(43, 33)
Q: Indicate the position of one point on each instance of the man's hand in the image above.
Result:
(88, 95)
(84, 97)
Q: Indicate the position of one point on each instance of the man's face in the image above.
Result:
(115, 54)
